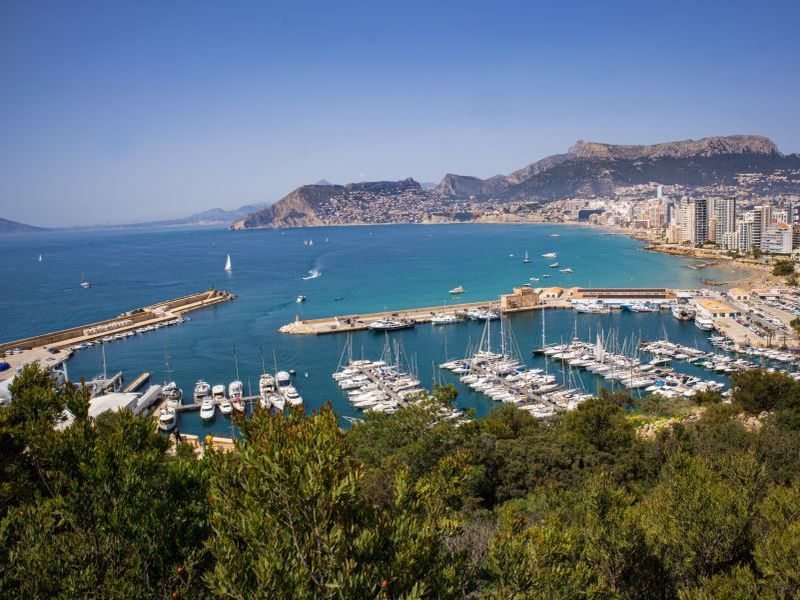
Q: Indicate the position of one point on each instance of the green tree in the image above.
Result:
(696, 521)
(113, 516)
(758, 390)
(777, 550)
(783, 268)
(289, 520)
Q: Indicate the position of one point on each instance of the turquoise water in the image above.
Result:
(372, 268)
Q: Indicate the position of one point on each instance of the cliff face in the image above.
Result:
(711, 146)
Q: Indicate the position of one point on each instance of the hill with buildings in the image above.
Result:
(586, 170)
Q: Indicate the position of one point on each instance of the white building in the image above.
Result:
(777, 239)
(724, 215)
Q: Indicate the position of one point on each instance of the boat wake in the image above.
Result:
(313, 274)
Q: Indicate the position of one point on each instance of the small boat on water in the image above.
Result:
(527, 258)
(172, 392)
(555, 265)
(300, 298)
(703, 322)
(445, 320)
(236, 394)
(457, 290)
(339, 299)
(567, 270)
(85, 283)
(225, 407)
(555, 235)
(218, 392)
(641, 307)
(167, 418)
(201, 390)
(549, 255)
(266, 388)
(208, 409)
(228, 266)
(292, 396)
(385, 324)
(545, 276)
(40, 258)
(534, 279)
(682, 312)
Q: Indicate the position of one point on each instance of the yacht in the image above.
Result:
(534, 279)
(594, 308)
(641, 307)
(527, 258)
(704, 323)
(555, 235)
(85, 283)
(208, 409)
(283, 379)
(225, 407)
(201, 390)
(291, 396)
(172, 392)
(266, 387)
(567, 270)
(682, 312)
(218, 392)
(235, 390)
(278, 402)
(549, 255)
(545, 276)
(167, 418)
(457, 290)
(555, 265)
(445, 319)
(300, 298)
(385, 324)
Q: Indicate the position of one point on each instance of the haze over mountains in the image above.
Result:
(587, 169)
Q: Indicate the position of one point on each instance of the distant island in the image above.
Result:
(214, 216)
(7, 226)
(749, 166)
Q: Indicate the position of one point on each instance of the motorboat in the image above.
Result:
(235, 390)
(283, 379)
(277, 402)
(225, 407)
(445, 319)
(385, 324)
(172, 392)
(208, 409)
(594, 308)
(534, 279)
(549, 255)
(292, 396)
(682, 312)
(555, 265)
(300, 299)
(459, 289)
(201, 390)
(703, 322)
(218, 392)
(567, 270)
(641, 307)
(266, 387)
(167, 418)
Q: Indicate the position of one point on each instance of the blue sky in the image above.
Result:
(117, 112)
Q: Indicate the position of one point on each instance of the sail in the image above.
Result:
(599, 352)
(228, 264)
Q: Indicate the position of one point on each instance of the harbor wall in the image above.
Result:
(124, 322)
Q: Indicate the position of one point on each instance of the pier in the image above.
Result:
(138, 382)
(50, 348)
(522, 299)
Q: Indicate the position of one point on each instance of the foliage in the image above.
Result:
(288, 520)
(409, 505)
(783, 268)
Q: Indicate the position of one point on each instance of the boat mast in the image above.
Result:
(236, 362)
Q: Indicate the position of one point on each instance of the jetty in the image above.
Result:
(53, 348)
(522, 299)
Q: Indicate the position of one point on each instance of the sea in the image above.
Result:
(341, 271)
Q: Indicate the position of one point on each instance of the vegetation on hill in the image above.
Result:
(707, 505)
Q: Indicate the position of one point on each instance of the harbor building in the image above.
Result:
(522, 298)
(715, 309)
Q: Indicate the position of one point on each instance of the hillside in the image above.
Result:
(587, 169)
(7, 226)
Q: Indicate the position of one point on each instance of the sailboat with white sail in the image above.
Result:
(228, 266)
(527, 258)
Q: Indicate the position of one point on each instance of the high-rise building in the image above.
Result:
(701, 217)
(762, 220)
(724, 221)
(777, 239)
(744, 232)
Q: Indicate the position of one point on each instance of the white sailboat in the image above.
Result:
(228, 266)
(527, 258)
(40, 258)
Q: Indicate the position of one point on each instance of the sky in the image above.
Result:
(115, 112)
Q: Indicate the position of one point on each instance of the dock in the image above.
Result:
(53, 348)
(522, 299)
(138, 382)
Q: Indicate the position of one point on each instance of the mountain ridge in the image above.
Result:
(587, 168)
